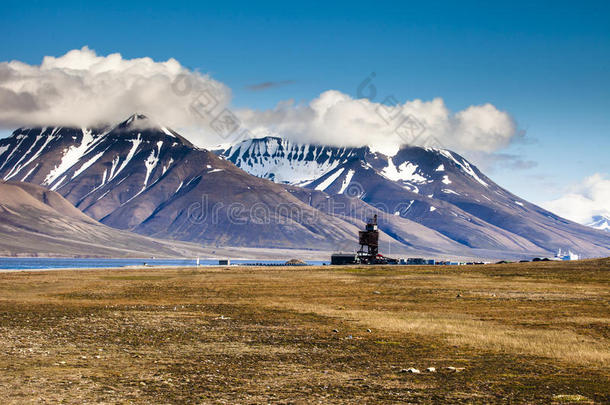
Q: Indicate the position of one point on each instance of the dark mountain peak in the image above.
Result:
(267, 139)
(140, 125)
(136, 117)
(137, 120)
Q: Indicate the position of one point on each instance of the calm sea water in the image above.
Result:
(11, 263)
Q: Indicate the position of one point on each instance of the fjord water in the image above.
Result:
(33, 263)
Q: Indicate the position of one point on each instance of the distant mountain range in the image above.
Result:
(601, 222)
(141, 177)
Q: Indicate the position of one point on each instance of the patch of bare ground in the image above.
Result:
(522, 333)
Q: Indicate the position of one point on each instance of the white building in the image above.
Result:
(567, 255)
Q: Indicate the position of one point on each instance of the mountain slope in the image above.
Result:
(35, 221)
(433, 187)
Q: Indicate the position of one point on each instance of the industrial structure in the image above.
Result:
(369, 248)
(369, 242)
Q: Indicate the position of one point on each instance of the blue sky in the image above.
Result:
(545, 63)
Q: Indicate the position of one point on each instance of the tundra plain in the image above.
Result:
(511, 333)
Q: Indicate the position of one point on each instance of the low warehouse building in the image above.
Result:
(343, 258)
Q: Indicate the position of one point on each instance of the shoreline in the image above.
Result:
(156, 266)
(136, 268)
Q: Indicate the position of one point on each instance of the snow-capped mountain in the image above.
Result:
(327, 168)
(286, 162)
(601, 222)
(143, 177)
(434, 187)
(146, 178)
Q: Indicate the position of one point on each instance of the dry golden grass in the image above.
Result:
(523, 333)
(459, 329)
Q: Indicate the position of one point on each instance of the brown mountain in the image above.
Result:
(35, 221)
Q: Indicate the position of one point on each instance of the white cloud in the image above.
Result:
(336, 118)
(81, 88)
(583, 200)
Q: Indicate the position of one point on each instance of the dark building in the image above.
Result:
(343, 258)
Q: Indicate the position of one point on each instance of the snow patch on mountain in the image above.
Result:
(72, 156)
(166, 168)
(15, 170)
(56, 185)
(3, 149)
(464, 165)
(179, 187)
(20, 138)
(150, 163)
(283, 161)
(39, 152)
(329, 180)
(88, 164)
(167, 132)
(346, 181)
(135, 143)
(406, 171)
(30, 172)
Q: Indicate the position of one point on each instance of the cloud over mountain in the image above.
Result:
(82, 88)
(584, 200)
(336, 118)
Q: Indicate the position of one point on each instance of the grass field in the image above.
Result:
(514, 333)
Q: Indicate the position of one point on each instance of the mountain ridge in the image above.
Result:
(435, 187)
(146, 178)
